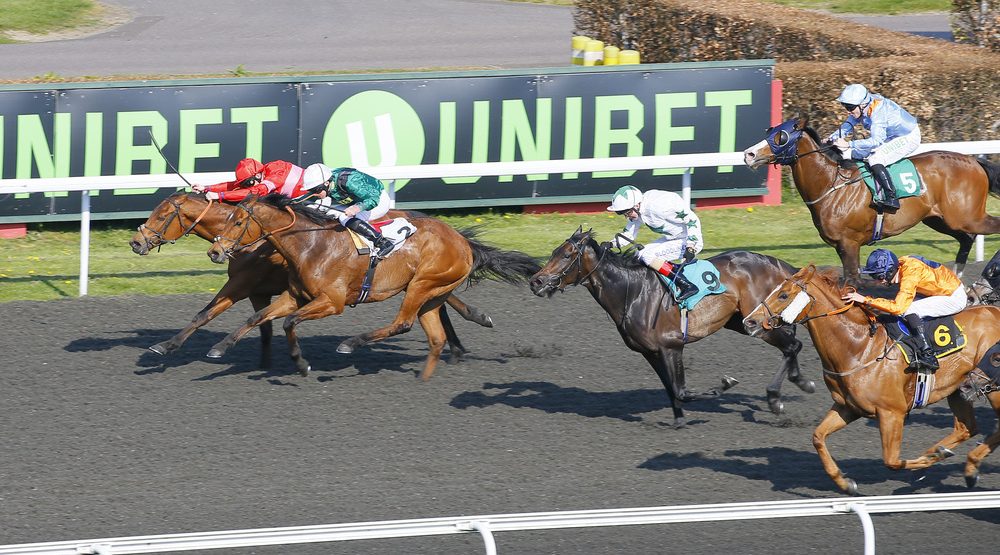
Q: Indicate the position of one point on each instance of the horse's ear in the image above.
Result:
(579, 230)
(801, 122)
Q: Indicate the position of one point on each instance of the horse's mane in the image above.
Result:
(623, 261)
(279, 200)
(827, 149)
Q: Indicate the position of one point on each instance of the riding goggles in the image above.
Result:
(849, 107)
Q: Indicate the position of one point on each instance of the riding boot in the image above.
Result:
(925, 359)
(885, 186)
(382, 245)
(685, 289)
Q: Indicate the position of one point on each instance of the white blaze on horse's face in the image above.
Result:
(792, 311)
(750, 155)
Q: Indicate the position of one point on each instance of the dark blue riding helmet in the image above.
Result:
(882, 264)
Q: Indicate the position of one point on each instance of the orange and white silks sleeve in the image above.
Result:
(917, 277)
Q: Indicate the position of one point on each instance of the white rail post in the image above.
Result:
(84, 240)
(686, 187)
(483, 527)
(979, 248)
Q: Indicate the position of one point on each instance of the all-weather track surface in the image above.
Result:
(549, 412)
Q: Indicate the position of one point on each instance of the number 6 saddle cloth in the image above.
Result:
(944, 335)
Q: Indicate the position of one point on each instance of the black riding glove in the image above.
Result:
(689, 255)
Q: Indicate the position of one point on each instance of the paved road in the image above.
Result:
(194, 37)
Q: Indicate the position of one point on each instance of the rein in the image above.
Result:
(834, 187)
(263, 236)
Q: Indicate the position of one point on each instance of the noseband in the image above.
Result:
(577, 261)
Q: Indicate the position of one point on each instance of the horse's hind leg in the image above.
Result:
(981, 451)
(470, 312)
(965, 241)
(964, 428)
(419, 297)
(789, 346)
(436, 337)
(260, 302)
(455, 346)
(320, 307)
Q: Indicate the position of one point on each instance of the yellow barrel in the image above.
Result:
(579, 43)
(628, 57)
(593, 53)
(611, 55)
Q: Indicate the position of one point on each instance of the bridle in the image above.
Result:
(237, 244)
(787, 154)
(159, 235)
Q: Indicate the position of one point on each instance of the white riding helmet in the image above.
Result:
(625, 199)
(316, 175)
(856, 95)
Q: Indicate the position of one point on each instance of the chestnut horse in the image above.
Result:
(258, 273)
(868, 378)
(650, 322)
(953, 204)
(326, 273)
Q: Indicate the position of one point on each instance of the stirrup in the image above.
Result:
(385, 249)
(685, 295)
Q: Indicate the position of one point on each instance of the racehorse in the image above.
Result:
(650, 322)
(325, 272)
(867, 377)
(258, 273)
(954, 203)
(986, 289)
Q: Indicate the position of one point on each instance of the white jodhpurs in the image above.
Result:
(932, 307)
(896, 149)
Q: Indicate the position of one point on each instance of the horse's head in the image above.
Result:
(986, 289)
(565, 266)
(780, 145)
(241, 230)
(787, 304)
(166, 223)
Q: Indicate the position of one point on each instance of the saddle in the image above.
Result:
(944, 335)
(397, 230)
(704, 275)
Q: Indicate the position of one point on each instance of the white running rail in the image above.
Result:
(487, 525)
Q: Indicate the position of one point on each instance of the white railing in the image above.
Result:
(487, 525)
(676, 161)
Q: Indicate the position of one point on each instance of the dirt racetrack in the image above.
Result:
(549, 412)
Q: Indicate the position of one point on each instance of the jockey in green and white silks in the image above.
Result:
(354, 197)
(894, 135)
(667, 214)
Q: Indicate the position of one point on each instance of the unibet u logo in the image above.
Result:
(374, 128)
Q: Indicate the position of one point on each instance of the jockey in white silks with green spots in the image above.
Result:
(354, 197)
(665, 213)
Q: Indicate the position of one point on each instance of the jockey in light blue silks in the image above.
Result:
(354, 197)
(665, 213)
(894, 136)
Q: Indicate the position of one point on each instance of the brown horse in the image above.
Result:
(868, 378)
(326, 273)
(258, 273)
(649, 321)
(953, 204)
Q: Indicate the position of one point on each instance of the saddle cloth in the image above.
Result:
(905, 179)
(944, 335)
(701, 273)
(397, 230)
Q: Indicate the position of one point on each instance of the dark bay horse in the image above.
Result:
(326, 273)
(868, 378)
(648, 319)
(954, 203)
(258, 273)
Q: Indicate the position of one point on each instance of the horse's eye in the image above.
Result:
(239, 223)
(783, 296)
(781, 139)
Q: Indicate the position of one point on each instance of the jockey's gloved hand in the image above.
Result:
(607, 245)
(689, 255)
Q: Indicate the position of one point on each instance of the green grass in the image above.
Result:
(45, 264)
(870, 7)
(45, 16)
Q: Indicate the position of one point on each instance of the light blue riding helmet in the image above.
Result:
(855, 95)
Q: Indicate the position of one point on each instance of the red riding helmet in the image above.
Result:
(247, 168)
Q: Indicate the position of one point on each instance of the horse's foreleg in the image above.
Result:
(785, 341)
(658, 361)
(259, 302)
(436, 337)
(836, 418)
(320, 307)
(219, 304)
(470, 312)
(418, 298)
(964, 428)
(282, 306)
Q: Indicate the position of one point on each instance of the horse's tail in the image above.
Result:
(489, 262)
(992, 174)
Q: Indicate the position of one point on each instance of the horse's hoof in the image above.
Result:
(305, 371)
(489, 322)
(679, 424)
(345, 348)
(729, 382)
(159, 349)
(852, 487)
(919, 475)
(808, 386)
(777, 406)
(972, 479)
(943, 453)
(215, 353)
